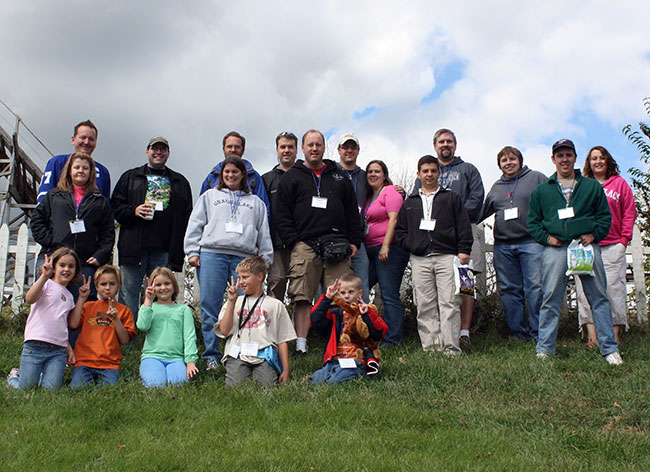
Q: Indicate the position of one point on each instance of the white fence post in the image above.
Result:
(639, 276)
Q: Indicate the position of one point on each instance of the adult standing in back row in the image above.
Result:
(601, 166)
(517, 256)
(570, 207)
(152, 203)
(317, 208)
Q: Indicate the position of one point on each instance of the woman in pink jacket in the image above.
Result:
(601, 166)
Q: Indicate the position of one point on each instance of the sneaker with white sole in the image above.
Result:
(543, 355)
(213, 364)
(14, 373)
(614, 358)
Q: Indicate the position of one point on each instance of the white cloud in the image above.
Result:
(193, 71)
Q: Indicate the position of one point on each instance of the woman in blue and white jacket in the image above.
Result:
(228, 223)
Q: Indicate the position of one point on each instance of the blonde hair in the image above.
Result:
(110, 270)
(165, 272)
(254, 264)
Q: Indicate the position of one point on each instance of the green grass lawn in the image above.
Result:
(498, 408)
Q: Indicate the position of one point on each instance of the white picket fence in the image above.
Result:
(17, 262)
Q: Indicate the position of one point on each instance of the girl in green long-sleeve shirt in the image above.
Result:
(169, 354)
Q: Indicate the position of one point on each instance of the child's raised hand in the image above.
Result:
(233, 289)
(84, 290)
(363, 306)
(333, 289)
(191, 369)
(47, 269)
(112, 312)
(149, 293)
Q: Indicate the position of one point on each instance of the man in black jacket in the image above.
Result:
(316, 202)
(434, 227)
(152, 203)
(286, 147)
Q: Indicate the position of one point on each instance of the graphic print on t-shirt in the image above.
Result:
(101, 319)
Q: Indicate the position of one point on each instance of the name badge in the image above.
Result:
(319, 202)
(234, 227)
(427, 225)
(77, 226)
(157, 205)
(249, 349)
(511, 213)
(347, 363)
(564, 213)
(234, 351)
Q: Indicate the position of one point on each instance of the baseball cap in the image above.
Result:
(567, 143)
(347, 137)
(157, 139)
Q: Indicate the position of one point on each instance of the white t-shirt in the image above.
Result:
(269, 325)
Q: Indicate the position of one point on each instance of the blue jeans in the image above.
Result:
(214, 274)
(359, 265)
(389, 275)
(159, 372)
(83, 375)
(554, 280)
(133, 275)
(41, 364)
(332, 373)
(519, 278)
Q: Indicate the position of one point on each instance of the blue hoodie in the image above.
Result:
(255, 183)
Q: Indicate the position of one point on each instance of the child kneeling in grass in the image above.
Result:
(351, 327)
(46, 347)
(105, 326)
(169, 353)
(257, 334)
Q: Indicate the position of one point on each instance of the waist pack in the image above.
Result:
(332, 247)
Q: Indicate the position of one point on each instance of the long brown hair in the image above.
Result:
(384, 168)
(612, 166)
(65, 181)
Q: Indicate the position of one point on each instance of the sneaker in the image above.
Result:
(614, 358)
(465, 343)
(14, 373)
(542, 355)
(299, 353)
(213, 364)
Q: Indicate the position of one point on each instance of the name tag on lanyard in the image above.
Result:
(347, 363)
(319, 202)
(427, 225)
(511, 214)
(234, 227)
(565, 213)
(77, 226)
(249, 349)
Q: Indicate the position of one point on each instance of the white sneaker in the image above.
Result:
(213, 364)
(542, 355)
(14, 373)
(614, 358)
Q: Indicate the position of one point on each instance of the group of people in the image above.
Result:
(317, 226)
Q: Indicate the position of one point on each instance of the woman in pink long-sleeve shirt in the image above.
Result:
(601, 166)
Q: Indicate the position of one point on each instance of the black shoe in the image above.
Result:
(298, 354)
(465, 343)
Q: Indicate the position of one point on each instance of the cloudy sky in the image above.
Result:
(497, 73)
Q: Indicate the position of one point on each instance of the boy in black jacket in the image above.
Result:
(434, 227)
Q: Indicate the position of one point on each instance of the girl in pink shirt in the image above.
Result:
(46, 348)
(601, 166)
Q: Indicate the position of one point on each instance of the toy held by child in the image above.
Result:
(105, 326)
(169, 353)
(352, 328)
(257, 329)
(46, 349)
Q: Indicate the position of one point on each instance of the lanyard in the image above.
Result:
(372, 200)
(426, 202)
(250, 313)
(316, 182)
(151, 175)
(509, 195)
(353, 177)
(570, 191)
(234, 204)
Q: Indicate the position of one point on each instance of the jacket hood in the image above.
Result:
(457, 161)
